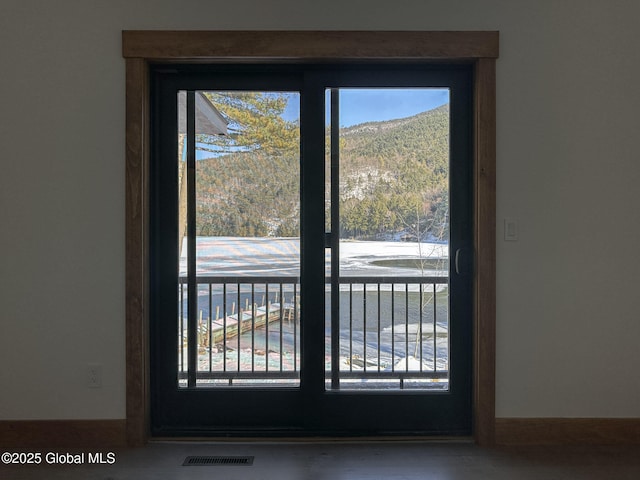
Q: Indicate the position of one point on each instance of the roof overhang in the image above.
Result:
(209, 120)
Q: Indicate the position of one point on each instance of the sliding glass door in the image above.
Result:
(310, 263)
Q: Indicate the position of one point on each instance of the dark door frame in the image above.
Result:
(309, 409)
(142, 48)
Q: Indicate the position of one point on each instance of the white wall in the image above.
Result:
(568, 164)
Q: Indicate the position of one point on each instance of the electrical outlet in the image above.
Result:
(94, 375)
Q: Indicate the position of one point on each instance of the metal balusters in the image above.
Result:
(379, 327)
(295, 327)
(238, 325)
(210, 328)
(435, 330)
(253, 328)
(419, 337)
(181, 331)
(360, 315)
(281, 304)
(224, 327)
(364, 324)
(406, 327)
(266, 328)
(393, 328)
(351, 327)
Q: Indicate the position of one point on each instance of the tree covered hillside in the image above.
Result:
(394, 177)
(393, 182)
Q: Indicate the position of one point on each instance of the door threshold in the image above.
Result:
(318, 440)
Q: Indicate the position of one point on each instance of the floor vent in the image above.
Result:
(217, 461)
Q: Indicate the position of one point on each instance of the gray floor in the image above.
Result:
(346, 460)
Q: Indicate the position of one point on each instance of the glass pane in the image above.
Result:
(394, 228)
(183, 304)
(247, 229)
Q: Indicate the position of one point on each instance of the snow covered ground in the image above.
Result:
(281, 256)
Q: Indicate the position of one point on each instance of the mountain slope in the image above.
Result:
(393, 177)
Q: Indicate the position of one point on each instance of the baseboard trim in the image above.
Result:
(567, 431)
(63, 433)
(508, 431)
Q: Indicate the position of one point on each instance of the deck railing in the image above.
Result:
(393, 332)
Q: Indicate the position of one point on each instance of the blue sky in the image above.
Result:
(373, 105)
(361, 105)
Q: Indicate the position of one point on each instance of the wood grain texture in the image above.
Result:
(568, 431)
(136, 298)
(310, 45)
(62, 433)
(485, 246)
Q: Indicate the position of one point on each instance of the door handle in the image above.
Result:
(460, 265)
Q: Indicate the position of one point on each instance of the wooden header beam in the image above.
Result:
(309, 45)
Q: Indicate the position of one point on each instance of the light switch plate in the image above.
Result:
(510, 230)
